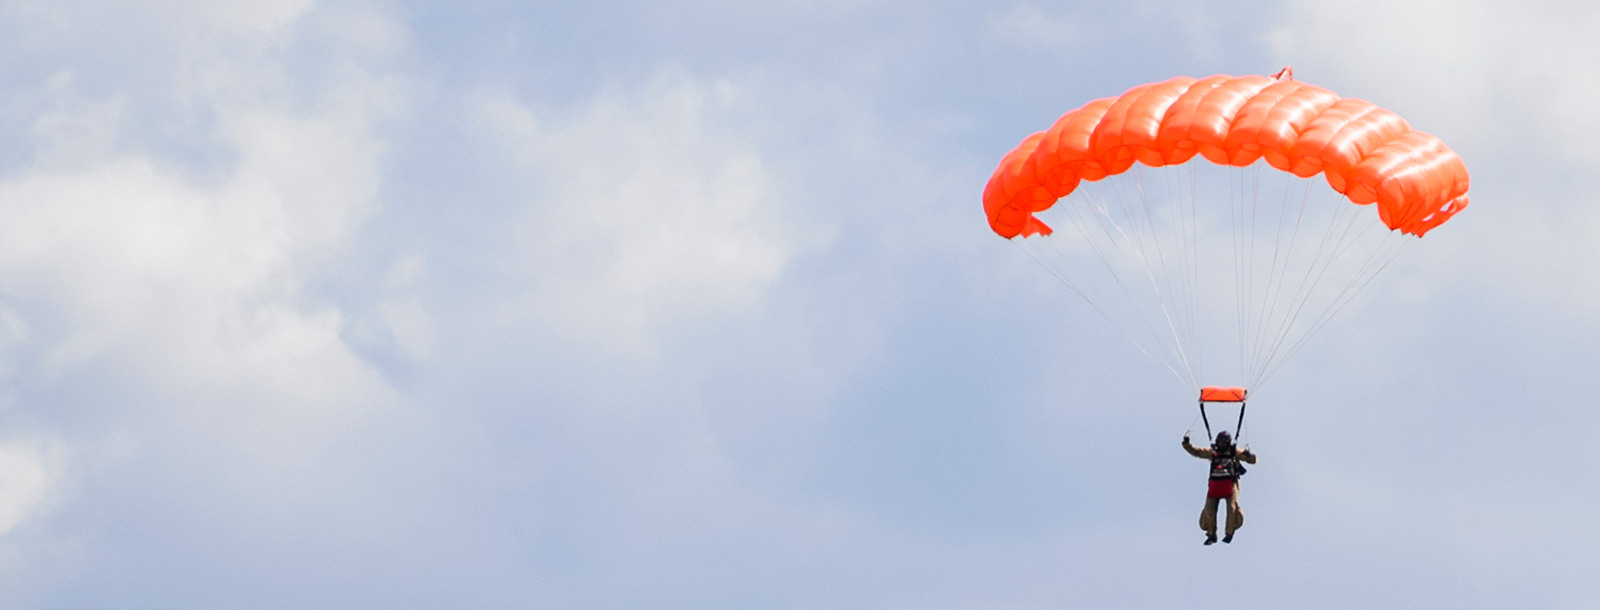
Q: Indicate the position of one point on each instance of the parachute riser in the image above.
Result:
(1238, 428)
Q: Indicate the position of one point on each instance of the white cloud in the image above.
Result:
(76, 131)
(1026, 24)
(648, 208)
(1461, 68)
(130, 250)
(30, 472)
(265, 16)
(404, 317)
(1075, 31)
(181, 286)
(193, 18)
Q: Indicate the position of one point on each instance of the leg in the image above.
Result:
(1208, 516)
(1235, 514)
(1208, 519)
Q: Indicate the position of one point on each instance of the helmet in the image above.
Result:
(1224, 439)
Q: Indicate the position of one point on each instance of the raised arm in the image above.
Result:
(1203, 453)
(1247, 456)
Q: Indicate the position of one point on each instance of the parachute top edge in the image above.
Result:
(1213, 393)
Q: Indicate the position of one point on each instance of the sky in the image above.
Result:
(601, 304)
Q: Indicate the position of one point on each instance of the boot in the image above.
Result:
(1228, 538)
(1211, 538)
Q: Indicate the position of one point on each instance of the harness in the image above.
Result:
(1225, 465)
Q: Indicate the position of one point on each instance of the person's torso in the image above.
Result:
(1225, 465)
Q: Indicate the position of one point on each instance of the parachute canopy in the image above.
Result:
(1367, 153)
(1243, 241)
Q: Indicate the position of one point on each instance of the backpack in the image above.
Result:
(1225, 464)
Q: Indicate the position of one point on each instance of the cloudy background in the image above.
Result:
(692, 305)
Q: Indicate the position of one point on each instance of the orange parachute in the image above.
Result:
(1366, 153)
(1241, 257)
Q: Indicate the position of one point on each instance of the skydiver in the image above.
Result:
(1224, 482)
